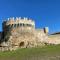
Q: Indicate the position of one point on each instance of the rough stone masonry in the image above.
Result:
(21, 33)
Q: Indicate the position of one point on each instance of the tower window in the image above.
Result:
(20, 24)
(17, 25)
(14, 25)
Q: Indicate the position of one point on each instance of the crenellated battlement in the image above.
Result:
(20, 21)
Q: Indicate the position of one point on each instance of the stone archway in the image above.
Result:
(21, 44)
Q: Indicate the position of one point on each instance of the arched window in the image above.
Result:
(28, 25)
(14, 25)
(18, 25)
(23, 24)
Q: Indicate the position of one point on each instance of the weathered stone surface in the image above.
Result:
(21, 33)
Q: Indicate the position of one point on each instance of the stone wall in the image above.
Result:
(54, 39)
(21, 33)
(24, 38)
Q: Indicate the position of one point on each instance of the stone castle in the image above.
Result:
(21, 33)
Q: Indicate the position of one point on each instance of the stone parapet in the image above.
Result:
(19, 20)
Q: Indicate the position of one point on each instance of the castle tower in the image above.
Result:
(18, 22)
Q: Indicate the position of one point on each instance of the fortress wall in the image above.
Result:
(54, 39)
(42, 37)
(18, 37)
(21, 33)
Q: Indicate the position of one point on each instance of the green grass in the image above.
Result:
(43, 53)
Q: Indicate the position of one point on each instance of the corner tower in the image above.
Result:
(18, 23)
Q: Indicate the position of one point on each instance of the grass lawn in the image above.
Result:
(40, 53)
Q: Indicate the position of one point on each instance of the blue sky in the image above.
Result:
(44, 12)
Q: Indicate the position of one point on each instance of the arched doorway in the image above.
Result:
(21, 44)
